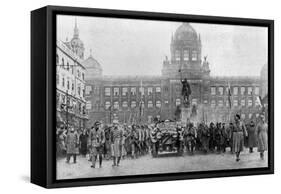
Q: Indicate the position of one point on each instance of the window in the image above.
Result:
(250, 102)
(72, 87)
(149, 104)
(257, 91)
(178, 55)
(194, 101)
(107, 105)
(133, 104)
(194, 56)
(213, 90)
(243, 116)
(124, 91)
(242, 91)
(213, 103)
(116, 91)
(185, 55)
(88, 90)
(133, 91)
(79, 90)
(107, 91)
(158, 104)
(235, 102)
(149, 91)
(125, 104)
(178, 102)
(83, 76)
(116, 105)
(235, 90)
(141, 91)
(250, 91)
(62, 62)
(243, 103)
(63, 82)
(220, 90)
(250, 115)
(67, 66)
(68, 85)
(220, 103)
(158, 89)
(89, 105)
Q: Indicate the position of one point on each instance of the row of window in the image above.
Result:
(150, 104)
(65, 65)
(214, 90)
(186, 55)
(65, 83)
(132, 90)
(220, 90)
(236, 102)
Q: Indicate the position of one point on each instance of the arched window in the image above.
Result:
(194, 56)
(186, 55)
(178, 55)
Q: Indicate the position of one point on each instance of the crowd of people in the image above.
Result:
(117, 141)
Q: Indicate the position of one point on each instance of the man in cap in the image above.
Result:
(97, 139)
(116, 143)
(239, 131)
(261, 132)
(71, 145)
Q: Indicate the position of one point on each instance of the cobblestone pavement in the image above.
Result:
(165, 164)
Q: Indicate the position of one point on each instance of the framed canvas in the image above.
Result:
(126, 96)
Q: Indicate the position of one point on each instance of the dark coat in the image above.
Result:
(72, 143)
(252, 138)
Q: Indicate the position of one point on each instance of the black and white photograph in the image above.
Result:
(142, 97)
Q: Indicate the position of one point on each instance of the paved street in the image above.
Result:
(165, 164)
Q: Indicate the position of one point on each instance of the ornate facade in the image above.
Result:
(70, 82)
(143, 98)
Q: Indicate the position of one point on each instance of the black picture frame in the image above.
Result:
(43, 100)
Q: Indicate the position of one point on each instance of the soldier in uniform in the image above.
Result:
(72, 145)
(116, 143)
(205, 138)
(251, 129)
(261, 132)
(97, 140)
(239, 131)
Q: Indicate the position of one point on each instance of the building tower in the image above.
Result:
(185, 51)
(76, 45)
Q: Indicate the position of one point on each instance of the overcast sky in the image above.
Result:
(138, 47)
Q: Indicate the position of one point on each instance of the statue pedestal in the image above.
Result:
(185, 114)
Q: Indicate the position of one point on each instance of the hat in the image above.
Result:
(238, 116)
(97, 123)
(115, 122)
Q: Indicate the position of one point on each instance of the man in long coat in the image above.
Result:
(72, 145)
(116, 143)
(252, 139)
(97, 140)
(239, 131)
(261, 131)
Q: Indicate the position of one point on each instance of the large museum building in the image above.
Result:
(142, 99)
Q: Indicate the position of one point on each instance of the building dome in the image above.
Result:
(93, 68)
(186, 33)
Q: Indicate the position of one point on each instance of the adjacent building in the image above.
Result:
(70, 81)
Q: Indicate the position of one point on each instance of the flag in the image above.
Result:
(258, 100)
(229, 95)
